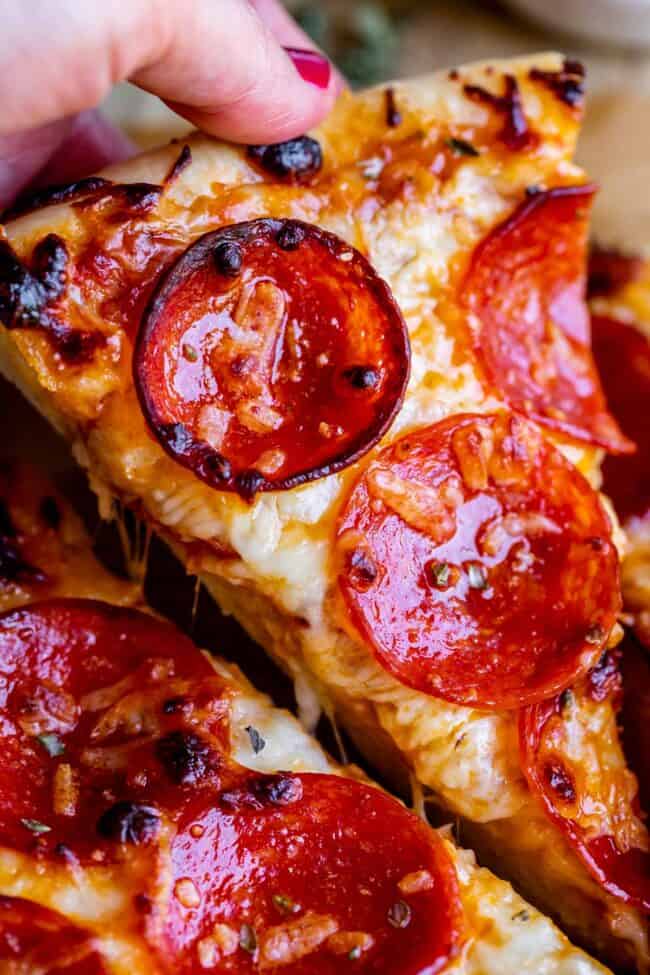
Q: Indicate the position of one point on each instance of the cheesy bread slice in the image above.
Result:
(348, 378)
(160, 815)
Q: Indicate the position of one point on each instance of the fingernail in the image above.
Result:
(311, 66)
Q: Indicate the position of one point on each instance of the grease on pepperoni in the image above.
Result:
(92, 757)
(573, 762)
(622, 354)
(306, 875)
(271, 354)
(477, 562)
(526, 288)
(34, 939)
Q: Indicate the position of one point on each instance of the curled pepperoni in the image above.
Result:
(305, 873)
(622, 354)
(591, 797)
(33, 939)
(526, 286)
(108, 717)
(271, 354)
(477, 562)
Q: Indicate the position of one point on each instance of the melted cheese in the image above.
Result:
(101, 898)
(282, 542)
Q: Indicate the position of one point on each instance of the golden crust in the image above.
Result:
(417, 230)
(50, 535)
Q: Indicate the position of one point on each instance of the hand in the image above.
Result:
(239, 69)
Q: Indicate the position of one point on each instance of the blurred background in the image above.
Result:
(374, 40)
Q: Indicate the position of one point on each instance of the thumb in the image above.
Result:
(216, 62)
(226, 72)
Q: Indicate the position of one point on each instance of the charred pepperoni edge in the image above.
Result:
(567, 84)
(531, 725)
(194, 454)
(295, 161)
(611, 270)
(29, 298)
(179, 166)
(537, 198)
(516, 133)
(59, 193)
(393, 114)
(130, 199)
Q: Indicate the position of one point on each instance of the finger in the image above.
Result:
(22, 156)
(288, 33)
(252, 90)
(59, 152)
(279, 21)
(217, 63)
(91, 143)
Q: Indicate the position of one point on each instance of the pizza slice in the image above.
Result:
(160, 815)
(348, 378)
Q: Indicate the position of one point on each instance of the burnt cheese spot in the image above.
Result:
(393, 114)
(461, 147)
(294, 160)
(186, 757)
(263, 792)
(30, 297)
(127, 199)
(59, 193)
(179, 165)
(560, 781)
(129, 822)
(515, 133)
(604, 679)
(567, 84)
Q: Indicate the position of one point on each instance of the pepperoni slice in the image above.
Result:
(526, 286)
(623, 356)
(307, 872)
(33, 939)
(477, 562)
(573, 762)
(271, 354)
(108, 717)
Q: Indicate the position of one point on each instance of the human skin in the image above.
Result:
(238, 69)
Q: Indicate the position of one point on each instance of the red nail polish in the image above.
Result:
(311, 66)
